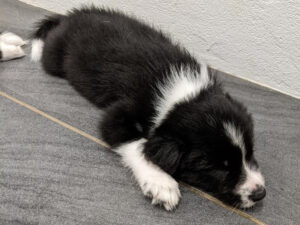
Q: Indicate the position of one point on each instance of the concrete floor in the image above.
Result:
(52, 175)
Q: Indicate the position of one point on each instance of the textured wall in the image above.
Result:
(258, 40)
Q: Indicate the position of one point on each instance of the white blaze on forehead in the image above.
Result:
(254, 178)
(235, 135)
(183, 84)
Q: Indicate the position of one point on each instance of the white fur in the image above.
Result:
(183, 84)
(10, 51)
(153, 181)
(12, 39)
(235, 135)
(37, 46)
(254, 178)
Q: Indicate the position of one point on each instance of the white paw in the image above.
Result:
(10, 51)
(163, 190)
(154, 182)
(12, 39)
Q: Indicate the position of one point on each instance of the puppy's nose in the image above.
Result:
(258, 194)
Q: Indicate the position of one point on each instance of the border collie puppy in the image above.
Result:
(166, 114)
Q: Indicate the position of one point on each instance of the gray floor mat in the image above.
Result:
(50, 175)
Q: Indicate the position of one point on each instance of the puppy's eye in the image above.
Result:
(225, 163)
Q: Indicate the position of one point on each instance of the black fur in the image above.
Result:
(117, 62)
(46, 25)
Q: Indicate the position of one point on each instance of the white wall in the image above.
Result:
(258, 40)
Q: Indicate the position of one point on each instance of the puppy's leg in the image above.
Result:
(8, 52)
(154, 182)
(12, 39)
(120, 123)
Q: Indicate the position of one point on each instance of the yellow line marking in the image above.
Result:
(68, 126)
(102, 143)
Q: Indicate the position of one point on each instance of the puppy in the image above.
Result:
(167, 116)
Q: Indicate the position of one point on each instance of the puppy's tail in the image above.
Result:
(42, 29)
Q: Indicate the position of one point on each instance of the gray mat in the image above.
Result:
(50, 175)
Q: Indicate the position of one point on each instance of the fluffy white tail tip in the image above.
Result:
(36, 49)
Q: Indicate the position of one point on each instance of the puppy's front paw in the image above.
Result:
(163, 190)
(154, 182)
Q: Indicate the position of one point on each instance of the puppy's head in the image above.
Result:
(208, 143)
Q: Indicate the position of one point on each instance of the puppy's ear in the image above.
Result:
(164, 152)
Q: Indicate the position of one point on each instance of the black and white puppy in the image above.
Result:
(166, 115)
